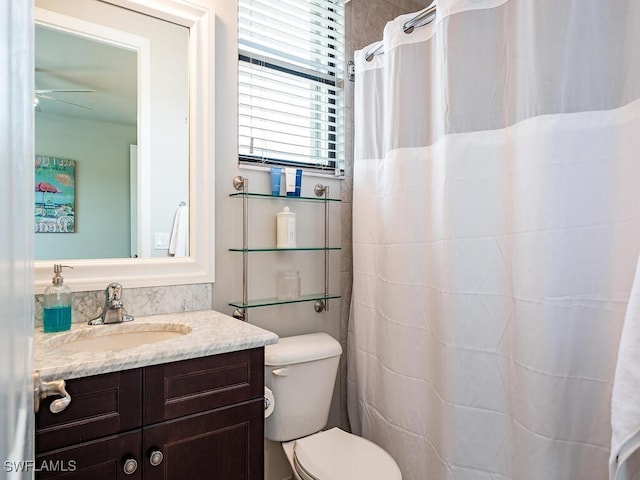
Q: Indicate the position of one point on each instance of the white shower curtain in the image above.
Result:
(496, 228)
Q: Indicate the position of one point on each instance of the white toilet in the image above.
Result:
(301, 373)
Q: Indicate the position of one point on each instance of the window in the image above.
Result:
(290, 61)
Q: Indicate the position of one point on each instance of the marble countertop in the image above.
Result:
(210, 333)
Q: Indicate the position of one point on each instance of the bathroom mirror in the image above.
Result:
(93, 272)
(87, 79)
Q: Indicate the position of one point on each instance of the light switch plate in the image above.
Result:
(161, 241)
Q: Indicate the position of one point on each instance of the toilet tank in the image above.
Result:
(301, 372)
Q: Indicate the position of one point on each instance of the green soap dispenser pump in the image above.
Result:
(57, 303)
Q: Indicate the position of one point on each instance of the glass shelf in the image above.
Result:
(284, 197)
(274, 301)
(274, 249)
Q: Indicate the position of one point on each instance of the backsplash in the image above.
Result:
(138, 301)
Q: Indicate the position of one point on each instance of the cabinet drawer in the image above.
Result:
(100, 405)
(182, 388)
(97, 460)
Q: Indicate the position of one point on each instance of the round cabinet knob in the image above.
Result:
(155, 458)
(130, 466)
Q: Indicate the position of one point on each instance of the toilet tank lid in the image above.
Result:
(301, 348)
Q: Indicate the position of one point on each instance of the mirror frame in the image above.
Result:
(199, 267)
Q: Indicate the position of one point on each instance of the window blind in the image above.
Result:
(290, 74)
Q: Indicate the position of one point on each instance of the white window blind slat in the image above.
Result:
(275, 117)
(317, 53)
(322, 100)
(290, 100)
(329, 13)
(316, 37)
(262, 127)
(289, 155)
(314, 100)
(295, 142)
(265, 53)
(263, 76)
(269, 16)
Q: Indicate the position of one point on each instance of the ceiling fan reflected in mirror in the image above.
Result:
(47, 94)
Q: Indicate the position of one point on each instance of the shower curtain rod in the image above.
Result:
(428, 13)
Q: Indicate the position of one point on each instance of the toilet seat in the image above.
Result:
(337, 455)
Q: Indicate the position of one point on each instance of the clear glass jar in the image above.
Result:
(288, 285)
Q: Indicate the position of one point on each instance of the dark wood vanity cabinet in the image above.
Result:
(198, 418)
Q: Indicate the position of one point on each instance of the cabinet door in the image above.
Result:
(98, 460)
(100, 405)
(223, 444)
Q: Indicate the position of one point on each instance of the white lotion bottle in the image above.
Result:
(286, 229)
(290, 181)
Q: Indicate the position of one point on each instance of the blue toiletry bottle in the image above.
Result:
(298, 182)
(57, 303)
(276, 174)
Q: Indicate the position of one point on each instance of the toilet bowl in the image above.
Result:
(337, 455)
(300, 371)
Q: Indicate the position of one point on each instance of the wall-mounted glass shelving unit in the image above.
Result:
(321, 300)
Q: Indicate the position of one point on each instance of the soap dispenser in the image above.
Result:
(57, 303)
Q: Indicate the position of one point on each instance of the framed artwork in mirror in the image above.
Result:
(55, 193)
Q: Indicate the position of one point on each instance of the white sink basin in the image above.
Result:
(116, 337)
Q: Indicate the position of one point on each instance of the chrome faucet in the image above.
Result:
(113, 311)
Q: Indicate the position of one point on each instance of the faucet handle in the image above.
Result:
(114, 292)
(114, 296)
